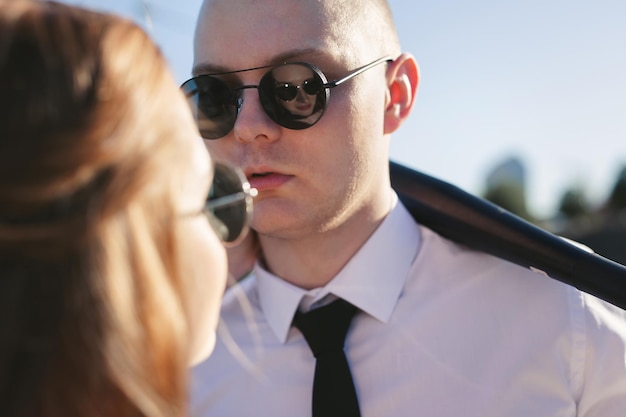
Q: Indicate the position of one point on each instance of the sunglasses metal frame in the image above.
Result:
(245, 194)
(326, 85)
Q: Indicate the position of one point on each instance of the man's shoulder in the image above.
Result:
(452, 254)
(459, 266)
(456, 265)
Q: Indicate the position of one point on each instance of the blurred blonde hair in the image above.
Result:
(92, 316)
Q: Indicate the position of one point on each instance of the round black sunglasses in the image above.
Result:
(228, 206)
(294, 95)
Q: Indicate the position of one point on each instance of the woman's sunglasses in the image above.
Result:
(229, 203)
(215, 105)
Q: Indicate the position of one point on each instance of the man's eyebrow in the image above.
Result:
(289, 56)
(299, 54)
(207, 68)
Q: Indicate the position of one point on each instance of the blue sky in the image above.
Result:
(544, 80)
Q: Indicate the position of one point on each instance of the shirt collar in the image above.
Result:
(372, 280)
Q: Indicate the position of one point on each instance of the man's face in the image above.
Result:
(308, 180)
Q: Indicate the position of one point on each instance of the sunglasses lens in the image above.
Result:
(286, 92)
(293, 95)
(229, 202)
(213, 104)
(312, 86)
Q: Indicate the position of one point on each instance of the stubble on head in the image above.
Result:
(354, 31)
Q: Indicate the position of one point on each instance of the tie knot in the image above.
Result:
(325, 328)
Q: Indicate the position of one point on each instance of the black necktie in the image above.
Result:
(325, 330)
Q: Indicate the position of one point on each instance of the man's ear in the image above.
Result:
(402, 80)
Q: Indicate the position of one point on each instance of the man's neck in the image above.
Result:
(315, 259)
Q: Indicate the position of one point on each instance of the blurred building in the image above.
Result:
(506, 187)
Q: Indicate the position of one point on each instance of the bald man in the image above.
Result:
(440, 330)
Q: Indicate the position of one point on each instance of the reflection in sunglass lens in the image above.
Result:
(288, 91)
(312, 86)
(214, 105)
(278, 92)
(229, 203)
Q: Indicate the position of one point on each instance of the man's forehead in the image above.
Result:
(310, 55)
(269, 32)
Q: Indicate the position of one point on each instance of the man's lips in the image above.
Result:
(263, 181)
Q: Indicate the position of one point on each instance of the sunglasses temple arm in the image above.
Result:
(226, 201)
(357, 71)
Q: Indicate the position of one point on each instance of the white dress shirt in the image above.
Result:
(445, 332)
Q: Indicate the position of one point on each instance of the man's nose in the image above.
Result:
(252, 121)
